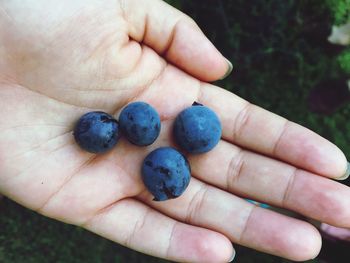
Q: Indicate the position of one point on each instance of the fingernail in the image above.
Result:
(229, 69)
(346, 175)
(233, 255)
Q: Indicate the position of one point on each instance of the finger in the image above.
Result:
(175, 36)
(141, 228)
(262, 131)
(270, 181)
(242, 222)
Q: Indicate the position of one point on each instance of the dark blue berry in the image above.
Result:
(96, 132)
(140, 123)
(166, 173)
(197, 129)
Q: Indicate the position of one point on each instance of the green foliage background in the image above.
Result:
(278, 49)
(340, 10)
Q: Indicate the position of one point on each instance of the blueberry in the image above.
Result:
(197, 129)
(166, 173)
(96, 132)
(140, 123)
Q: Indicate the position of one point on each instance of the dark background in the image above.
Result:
(280, 54)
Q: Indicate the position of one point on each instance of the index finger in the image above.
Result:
(261, 131)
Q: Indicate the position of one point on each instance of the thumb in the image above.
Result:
(176, 37)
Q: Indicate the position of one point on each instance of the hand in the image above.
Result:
(61, 59)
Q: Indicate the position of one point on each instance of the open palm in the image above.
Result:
(61, 59)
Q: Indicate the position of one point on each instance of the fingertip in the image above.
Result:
(312, 152)
(194, 244)
(346, 173)
(337, 166)
(306, 244)
(232, 258)
(229, 69)
(221, 248)
(327, 159)
(282, 236)
(311, 245)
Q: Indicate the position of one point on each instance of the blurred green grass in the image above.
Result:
(278, 49)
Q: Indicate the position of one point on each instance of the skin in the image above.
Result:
(61, 59)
